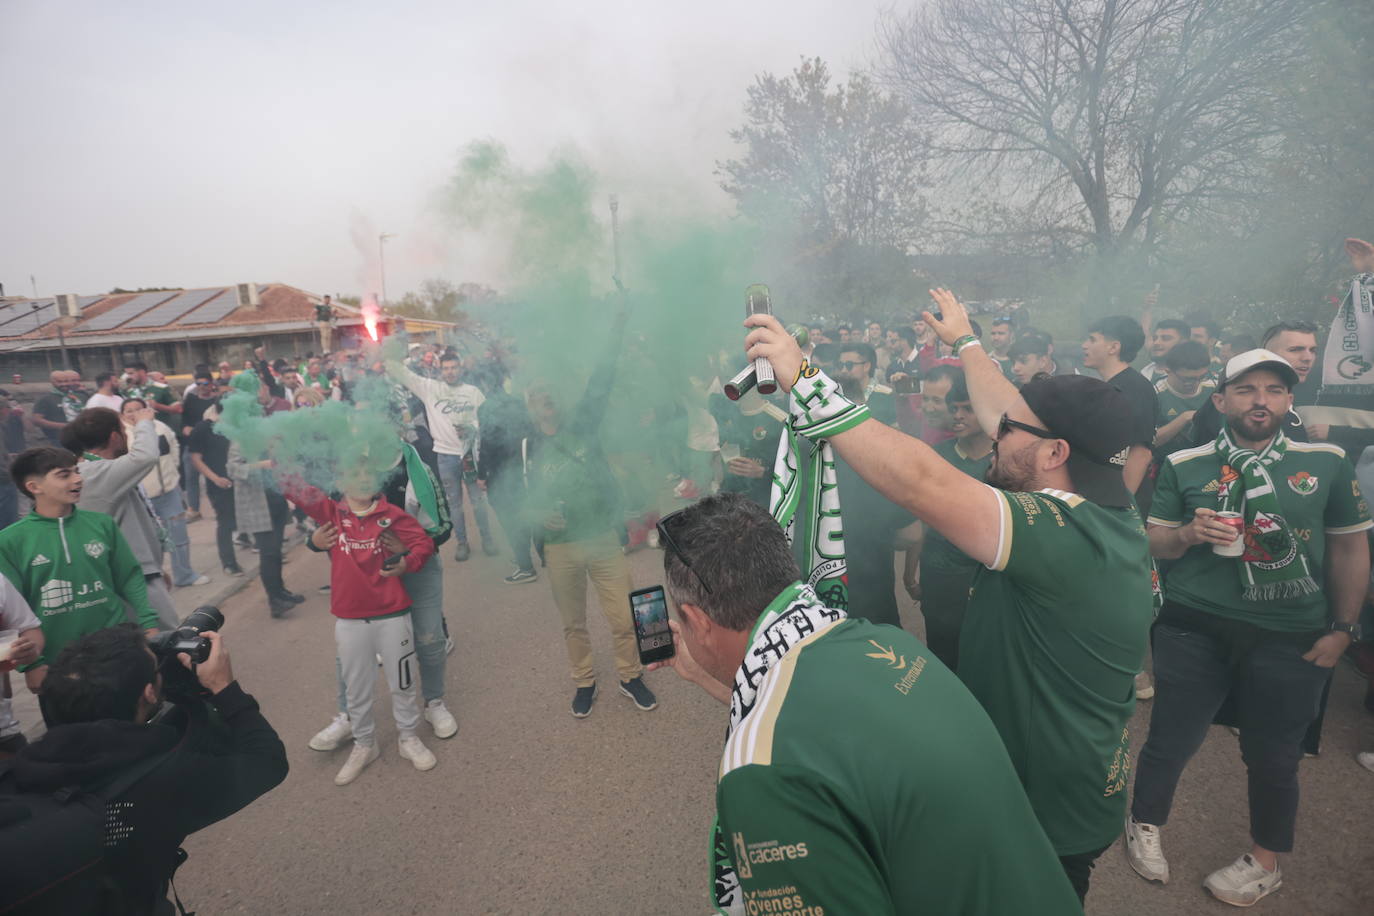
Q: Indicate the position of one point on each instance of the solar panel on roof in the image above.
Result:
(84, 301)
(14, 320)
(28, 320)
(131, 309)
(173, 308)
(215, 309)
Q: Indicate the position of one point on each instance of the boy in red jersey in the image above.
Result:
(372, 610)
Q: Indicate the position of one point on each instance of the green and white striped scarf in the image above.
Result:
(1274, 565)
(805, 497)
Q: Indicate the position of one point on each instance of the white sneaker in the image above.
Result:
(1144, 852)
(333, 734)
(201, 579)
(445, 726)
(414, 750)
(448, 645)
(1144, 687)
(1365, 759)
(1244, 882)
(359, 757)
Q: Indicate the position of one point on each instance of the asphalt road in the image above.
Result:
(533, 812)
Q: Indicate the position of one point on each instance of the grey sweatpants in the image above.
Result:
(359, 643)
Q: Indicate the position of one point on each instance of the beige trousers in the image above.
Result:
(603, 561)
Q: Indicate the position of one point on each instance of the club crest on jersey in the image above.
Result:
(383, 523)
(94, 549)
(760, 433)
(1303, 483)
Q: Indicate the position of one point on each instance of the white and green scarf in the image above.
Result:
(1348, 362)
(794, 615)
(1274, 565)
(805, 496)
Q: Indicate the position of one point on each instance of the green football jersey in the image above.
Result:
(866, 780)
(1318, 494)
(76, 573)
(937, 553)
(1055, 632)
(1171, 403)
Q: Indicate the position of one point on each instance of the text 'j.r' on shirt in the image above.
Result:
(1055, 632)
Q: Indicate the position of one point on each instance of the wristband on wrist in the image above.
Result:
(968, 340)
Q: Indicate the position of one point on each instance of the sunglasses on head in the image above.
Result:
(666, 539)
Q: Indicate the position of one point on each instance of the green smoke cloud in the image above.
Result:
(685, 279)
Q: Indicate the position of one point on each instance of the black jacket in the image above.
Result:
(194, 787)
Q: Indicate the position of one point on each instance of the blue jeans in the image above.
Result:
(1276, 694)
(172, 511)
(451, 478)
(426, 589)
(191, 480)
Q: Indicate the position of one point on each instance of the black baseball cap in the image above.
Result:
(1095, 419)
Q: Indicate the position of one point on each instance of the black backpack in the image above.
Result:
(52, 846)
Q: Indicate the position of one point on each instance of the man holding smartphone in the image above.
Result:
(859, 775)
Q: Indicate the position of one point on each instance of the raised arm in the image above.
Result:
(592, 408)
(125, 472)
(905, 470)
(988, 389)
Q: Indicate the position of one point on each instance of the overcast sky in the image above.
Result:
(196, 144)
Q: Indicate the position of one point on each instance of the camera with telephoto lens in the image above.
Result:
(179, 683)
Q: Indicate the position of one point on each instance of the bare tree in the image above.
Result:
(842, 162)
(1112, 120)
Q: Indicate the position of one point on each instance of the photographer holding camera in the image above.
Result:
(101, 804)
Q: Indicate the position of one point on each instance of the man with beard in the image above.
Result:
(1056, 624)
(1296, 343)
(1264, 626)
(1167, 335)
(451, 409)
(58, 407)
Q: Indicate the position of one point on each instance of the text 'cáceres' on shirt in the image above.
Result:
(1055, 632)
(1318, 493)
(865, 779)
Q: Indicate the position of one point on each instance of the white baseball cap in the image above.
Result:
(1259, 358)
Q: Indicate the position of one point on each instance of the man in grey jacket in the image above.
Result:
(111, 469)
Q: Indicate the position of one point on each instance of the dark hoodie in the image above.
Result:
(189, 790)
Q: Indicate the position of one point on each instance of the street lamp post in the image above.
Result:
(381, 257)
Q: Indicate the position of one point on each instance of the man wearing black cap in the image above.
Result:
(1264, 625)
(1050, 656)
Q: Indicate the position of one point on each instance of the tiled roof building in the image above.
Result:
(172, 329)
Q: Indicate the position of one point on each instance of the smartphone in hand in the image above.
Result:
(649, 610)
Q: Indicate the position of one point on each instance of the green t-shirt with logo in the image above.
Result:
(1171, 403)
(1055, 632)
(937, 553)
(1318, 495)
(866, 780)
